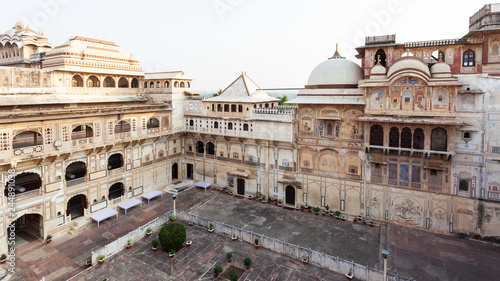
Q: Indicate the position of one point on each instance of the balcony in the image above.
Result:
(445, 155)
(28, 151)
(82, 142)
(28, 194)
(75, 182)
(153, 130)
(122, 135)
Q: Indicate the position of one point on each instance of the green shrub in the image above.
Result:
(229, 255)
(154, 243)
(256, 241)
(233, 276)
(3, 257)
(337, 213)
(247, 262)
(172, 236)
(217, 269)
(316, 209)
(101, 257)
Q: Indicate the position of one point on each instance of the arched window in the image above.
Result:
(439, 139)
(463, 185)
(158, 85)
(210, 148)
(216, 125)
(394, 137)
(245, 127)
(188, 85)
(116, 191)
(93, 82)
(82, 132)
(382, 57)
(191, 123)
(75, 171)
(469, 58)
(122, 127)
(151, 84)
(183, 85)
(166, 84)
(115, 161)
(27, 139)
(240, 108)
(418, 139)
(233, 107)
(77, 81)
(135, 83)
(109, 82)
(145, 85)
(267, 105)
(226, 108)
(229, 126)
(377, 135)
(406, 137)
(200, 148)
(123, 83)
(23, 183)
(329, 129)
(219, 107)
(176, 84)
(153, 123)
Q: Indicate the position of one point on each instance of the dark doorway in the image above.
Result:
(241, 187)
(28, 228)
(290, 195)
(190, 171)
(116, 191)
(76, 206)
(175, 171)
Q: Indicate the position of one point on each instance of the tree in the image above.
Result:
(217, 94)
(283, 99)
(172, 236)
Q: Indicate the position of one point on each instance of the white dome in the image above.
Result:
(440, 70)
(336, 71)
(409, 64)
(378, 72)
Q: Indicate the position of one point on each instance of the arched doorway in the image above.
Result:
(175, 171)
(76, 206)
(190, 171)
(290, 195)
(116, 191)
(28, 228)
(241, 187)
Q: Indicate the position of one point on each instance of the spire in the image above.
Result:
(337, 55)
(440, 57)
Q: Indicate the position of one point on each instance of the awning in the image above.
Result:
(329, 118)
(451, 122)
(434, 166)
(377, 161)
(238, 174)
(298, 184)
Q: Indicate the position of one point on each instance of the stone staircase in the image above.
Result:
(181, 186)
(77, 225)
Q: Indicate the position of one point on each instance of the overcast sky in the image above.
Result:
(278, 43)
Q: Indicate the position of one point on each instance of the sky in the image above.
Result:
(277, 43)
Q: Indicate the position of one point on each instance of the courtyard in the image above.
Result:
(414, 253)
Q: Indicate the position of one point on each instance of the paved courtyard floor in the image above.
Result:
(197, 262)
(413, 253)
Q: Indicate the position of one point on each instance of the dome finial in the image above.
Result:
(440, 57)
(337, 55)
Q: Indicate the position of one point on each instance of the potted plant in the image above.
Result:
(189, 243)
(349, 275)
(364, 221)
(226, 189)
(305, 260)
(342, 218)
(3, 258)
(263, 199)
(233, 237)
(105, 279)
(48, 239)
(211, 228)
(337, 215)
(280, 203)
(229, 256)
(247, 262)
(297, 208)
(217, 270)
(172, 218)
(372, 223)
(149, 231)
(256, 243)
(190, 223)
(316, 210)
(129, 244)
(250, 197)
(88, 262)
(101, 258)
(154, 245)
(171, 254)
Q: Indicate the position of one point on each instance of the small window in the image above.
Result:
(440, 99)
(407, 100)
(395, 100)
(433, 172)
(190, 148)
(463, 185)
(469, 58)
(467, 135)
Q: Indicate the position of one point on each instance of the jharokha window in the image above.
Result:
(468, 59)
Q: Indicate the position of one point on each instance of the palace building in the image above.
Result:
(409, 137)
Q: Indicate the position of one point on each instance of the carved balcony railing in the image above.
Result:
(28, 151)
(445, 155)
(80, 142)
(75, 182)
(27, 194)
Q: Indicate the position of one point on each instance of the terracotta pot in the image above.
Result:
(190, 224)
(3, 261)
(309, 210)
(173, 220)
(371, 224)
(148, 234)
(248, 267)
(154, 249)
(128, 247)
(234, 238)
(215, 276)
(88, 263)
(171, 256)
(317, 214)
(101, 262)
(304, 262)
(257, 246)
(229, 260)
(48, 241)
(211, 231)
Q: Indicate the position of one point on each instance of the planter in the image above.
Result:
(172, 220)
(280, 205)
(189, 243)
(297, 208)
(337, 217)
(101, 261)
(309, 210)
(250, 198)
(88, 263)
(263, 202)
(215, 275)
(257, 246)
(154, 249)
(248, 267)
(211, 230)
(317, 213)
(331, 214)
(228, 260)
(342, 218)
(323, 213)
(48, 241)
(234, 238)
(3, 261)
(190, 223)
(305, 261)
(364, 222)
(128, 247)
(349, 276)
(171, 255)
(148, 233)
